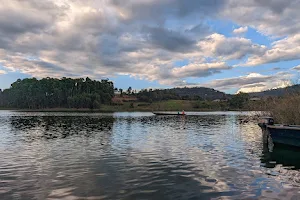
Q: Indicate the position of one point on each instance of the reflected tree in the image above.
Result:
(50, 127)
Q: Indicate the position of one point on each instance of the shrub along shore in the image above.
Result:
(285, 110)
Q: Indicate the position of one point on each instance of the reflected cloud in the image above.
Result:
(138, 156)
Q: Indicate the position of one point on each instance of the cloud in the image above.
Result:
(240, 30)
(108, 38)
(141, 38)
(36, 67)
(175, 76)
(253, 82)
(161, 9)
(296, 68)
(168, 39)
(282, 50)
(271, 17)
(217, 45)
(199, 70)
(2, 72)
(274, 18)
(199, 30)
(77, 38)
(26, 17)
(277, 6)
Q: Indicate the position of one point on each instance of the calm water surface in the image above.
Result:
(141, 156)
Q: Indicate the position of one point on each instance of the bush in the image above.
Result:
(143, 104)
(131, 105)
(96, 104)
(285, 110)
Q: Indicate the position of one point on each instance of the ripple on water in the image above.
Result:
(140, 156)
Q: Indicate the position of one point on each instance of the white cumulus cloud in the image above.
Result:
(2, 72)
(253, 82)
(142, 38)
(240, 30)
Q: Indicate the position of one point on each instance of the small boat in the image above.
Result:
(166, 113)
(284, 134)
(281, 134)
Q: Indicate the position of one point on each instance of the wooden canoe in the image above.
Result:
(165, 113)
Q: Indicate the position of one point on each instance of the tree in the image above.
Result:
(129, 90)
(96, 104)
(52, 93)
(239, 100)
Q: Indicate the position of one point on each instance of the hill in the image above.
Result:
(277, 92)
(197, 93)
(201, 92)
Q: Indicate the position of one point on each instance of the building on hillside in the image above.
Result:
(220, 100)
(217, 100)
(255, 99)
(117, 92)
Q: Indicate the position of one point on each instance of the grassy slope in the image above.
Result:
(170, 105)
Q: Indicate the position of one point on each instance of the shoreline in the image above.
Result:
(169, 105)
(117, 110)
(55, 110)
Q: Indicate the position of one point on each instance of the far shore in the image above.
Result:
(109, 111)
(169, 105)
(55, 110)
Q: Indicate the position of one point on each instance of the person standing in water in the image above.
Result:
(183, 112)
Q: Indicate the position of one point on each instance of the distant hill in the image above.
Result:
(197, 93)
(212, 94)
(277, 92)
(202, 92)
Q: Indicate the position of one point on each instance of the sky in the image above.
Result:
(228, 45)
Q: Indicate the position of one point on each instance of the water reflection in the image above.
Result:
(51, 127)
(281, 154)
(137, 156)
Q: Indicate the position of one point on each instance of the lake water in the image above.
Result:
(141, 156)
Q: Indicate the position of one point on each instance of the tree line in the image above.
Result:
(203, 97)
(196, 93)
(156, 95)
(31, 93)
